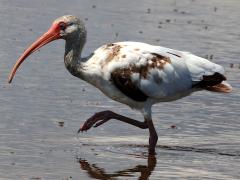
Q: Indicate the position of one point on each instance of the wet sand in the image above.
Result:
(41, 111)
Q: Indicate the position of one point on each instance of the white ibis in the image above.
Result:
(133, 73)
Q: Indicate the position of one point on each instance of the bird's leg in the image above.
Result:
(104, 116)
(153, 137)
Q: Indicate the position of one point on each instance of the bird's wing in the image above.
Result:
(140, 70)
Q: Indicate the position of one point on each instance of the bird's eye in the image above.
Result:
(62, 26)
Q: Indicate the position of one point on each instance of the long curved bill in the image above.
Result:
(51, 35)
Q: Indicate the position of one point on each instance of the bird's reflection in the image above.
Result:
(99, 173)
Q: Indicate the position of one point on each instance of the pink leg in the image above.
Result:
(104, 116)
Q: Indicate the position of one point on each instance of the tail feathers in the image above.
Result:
(223, 87)
(215, 83)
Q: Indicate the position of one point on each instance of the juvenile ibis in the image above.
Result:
(133, 73)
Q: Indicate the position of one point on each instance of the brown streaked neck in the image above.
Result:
(72, 57)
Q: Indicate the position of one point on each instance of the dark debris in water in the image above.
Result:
(61, 123)
(173, 126)
(232, 65)
(168, 20)
(209, 57)
(68, 178)
(148, 11)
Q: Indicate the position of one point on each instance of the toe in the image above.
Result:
(84, 127)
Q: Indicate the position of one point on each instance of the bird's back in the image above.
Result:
(141, 71)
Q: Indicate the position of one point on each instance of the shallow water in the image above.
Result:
(42, 109)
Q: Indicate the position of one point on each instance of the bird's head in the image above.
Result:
(67, 27)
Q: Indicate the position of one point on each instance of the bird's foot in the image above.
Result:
(97, 120)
